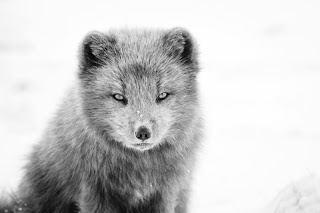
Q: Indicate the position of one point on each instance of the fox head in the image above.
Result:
(138, 88)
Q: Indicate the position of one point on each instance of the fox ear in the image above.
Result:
(180, 45)
(96, 49)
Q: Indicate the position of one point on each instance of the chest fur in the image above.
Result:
(134, 184)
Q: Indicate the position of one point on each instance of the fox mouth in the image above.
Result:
(142, 146)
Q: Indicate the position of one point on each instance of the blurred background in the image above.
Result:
(259, 84)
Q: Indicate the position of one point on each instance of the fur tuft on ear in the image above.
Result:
(96, 49)
(180, 45)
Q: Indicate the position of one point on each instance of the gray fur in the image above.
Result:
(88, 156)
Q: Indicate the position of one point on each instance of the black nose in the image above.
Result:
(143, 133)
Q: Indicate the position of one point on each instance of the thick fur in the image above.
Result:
(89, 159)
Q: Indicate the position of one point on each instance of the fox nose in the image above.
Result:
(143, 133)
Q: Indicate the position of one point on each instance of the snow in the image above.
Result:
(259, 84)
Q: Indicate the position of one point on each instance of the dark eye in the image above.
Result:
(119, 97)
(162, 96)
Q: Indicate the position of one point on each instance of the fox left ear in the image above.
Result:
(180, 45)
(96, 50)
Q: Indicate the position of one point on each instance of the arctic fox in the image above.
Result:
(125, 138)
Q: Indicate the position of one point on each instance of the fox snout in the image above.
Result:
(143, 133)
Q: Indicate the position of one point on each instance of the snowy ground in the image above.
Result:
(260, 86)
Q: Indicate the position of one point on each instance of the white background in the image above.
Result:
(260, 85)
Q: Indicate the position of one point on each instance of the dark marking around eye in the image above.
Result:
(162, 97)
(120, 98)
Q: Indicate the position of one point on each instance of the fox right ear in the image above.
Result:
(96, 50)
(180, 45)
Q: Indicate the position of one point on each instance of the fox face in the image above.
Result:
(138, 88)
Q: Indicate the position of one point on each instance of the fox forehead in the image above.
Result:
(133, 79)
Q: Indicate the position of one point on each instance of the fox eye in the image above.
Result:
(162, 96)
(119, 97)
